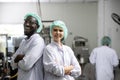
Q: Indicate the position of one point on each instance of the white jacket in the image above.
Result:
(105, 59)
(31, 66)
(54, 60)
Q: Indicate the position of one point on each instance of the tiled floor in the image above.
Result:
(117, 74)
(90, 74)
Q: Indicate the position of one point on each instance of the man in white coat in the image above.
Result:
(105, 59)
(28, 57)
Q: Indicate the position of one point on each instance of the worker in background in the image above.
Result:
(28, 57)
(105, 59)
(59, 60)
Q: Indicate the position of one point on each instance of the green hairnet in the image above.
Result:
(106, 40)
(60, 24)
(37, 18)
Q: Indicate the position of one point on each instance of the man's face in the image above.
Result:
(30, 25)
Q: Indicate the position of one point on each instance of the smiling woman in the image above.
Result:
(59, 60)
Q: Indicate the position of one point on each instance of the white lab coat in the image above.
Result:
(105, 59)
(54, 60)
(31, 66)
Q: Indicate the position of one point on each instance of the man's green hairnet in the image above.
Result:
(59, 24)
(106, 40)
(37, 18)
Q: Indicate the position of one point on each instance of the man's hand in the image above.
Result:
(18, 58)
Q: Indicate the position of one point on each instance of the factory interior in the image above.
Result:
(87, 22)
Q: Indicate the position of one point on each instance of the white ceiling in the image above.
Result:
(49, 1)
(67, 0)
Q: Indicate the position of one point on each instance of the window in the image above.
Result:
(12, 29)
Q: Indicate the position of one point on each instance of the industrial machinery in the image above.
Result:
(4, 69)
(45, 33)
(80, 48)
(8, 45)
(1, 64)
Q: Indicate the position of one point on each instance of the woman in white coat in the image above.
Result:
(105, 59)
(59, 60)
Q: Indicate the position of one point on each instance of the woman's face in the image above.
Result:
(57, 34)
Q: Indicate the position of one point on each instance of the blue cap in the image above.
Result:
(106, 40)
(61, 24)
(37, 18)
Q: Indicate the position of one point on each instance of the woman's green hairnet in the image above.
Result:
(37, 18)
(106, 40)
(59, 24)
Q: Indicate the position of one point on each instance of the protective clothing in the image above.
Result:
(106, 40)
(61, 24)
(31, 66)
(37, 18)
(54, 60)
(105, 59)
